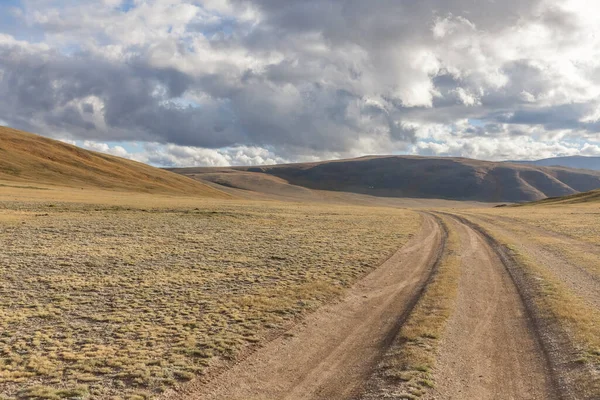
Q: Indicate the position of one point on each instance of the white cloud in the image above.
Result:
(526, 96)
(499, 149)
(451, 25)
(185, 156)
(68, 141)
(590, 150)
(118, 151)
(467, 98)
(171, 155)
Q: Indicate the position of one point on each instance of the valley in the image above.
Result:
(255, 288)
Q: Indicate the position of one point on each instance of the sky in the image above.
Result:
(232, 82)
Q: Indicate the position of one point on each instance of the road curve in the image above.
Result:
(332, 353)
(579, 278)
(490, 349)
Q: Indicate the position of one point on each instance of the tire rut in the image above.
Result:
(332, 353)
(492, 345)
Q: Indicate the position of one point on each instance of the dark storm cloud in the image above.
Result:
(39, 90)
(564, 116)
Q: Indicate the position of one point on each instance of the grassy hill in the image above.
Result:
(29, 158)
(409, 176)
(592, 196)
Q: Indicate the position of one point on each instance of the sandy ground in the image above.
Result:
(331, 354)
(489, 350)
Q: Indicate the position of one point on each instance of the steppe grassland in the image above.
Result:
(129, 297)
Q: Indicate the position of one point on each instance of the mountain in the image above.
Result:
(570, 162)
(25, 157)
(407, 176)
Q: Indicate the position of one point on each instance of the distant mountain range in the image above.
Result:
(570, 162)
(407, 176)
(25, 157)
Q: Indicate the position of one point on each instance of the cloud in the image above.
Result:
(171, 155)
(118, 151)
(305, 80)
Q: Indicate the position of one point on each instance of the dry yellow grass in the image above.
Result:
(566, 229)
(29, 160)
(581, 222)
(125, 300)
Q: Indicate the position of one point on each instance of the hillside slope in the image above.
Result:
(409, 176)
(569, 162)
(25, 157)
(592, 196)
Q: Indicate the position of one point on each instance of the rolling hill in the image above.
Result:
(407, 176)
(29, 158)
(592, 196)
(569, 162)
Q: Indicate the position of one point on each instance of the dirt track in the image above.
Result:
(332, 352)
(489, 349)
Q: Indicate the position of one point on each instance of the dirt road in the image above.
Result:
(489, 350)
(332, 352)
